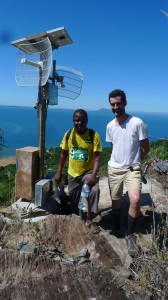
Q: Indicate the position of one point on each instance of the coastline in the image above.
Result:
(7, 161)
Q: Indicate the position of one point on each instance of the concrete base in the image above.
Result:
(27, 174)
(27, 211)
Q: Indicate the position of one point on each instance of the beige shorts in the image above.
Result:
(120, 177)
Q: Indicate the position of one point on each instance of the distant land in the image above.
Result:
(106, 110)
(102, 110)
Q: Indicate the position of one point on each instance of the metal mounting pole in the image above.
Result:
(54, 69)
(42, 124)
(42, 119)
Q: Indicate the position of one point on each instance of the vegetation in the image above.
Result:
(7, 184)
(158, 151)
(150, 269)
(52, 159)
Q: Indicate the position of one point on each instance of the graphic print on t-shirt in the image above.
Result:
(79, 154)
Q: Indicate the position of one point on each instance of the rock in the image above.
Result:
(161, 203)
(72, 262)
(30, 276)
(105, 199)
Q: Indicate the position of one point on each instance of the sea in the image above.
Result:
(20, 126)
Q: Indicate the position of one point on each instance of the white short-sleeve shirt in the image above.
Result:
(126, 139)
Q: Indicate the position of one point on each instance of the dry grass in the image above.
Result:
(150, 269)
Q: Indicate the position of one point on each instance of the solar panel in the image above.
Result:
(58, 37)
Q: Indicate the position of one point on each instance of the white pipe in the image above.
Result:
(31, 63)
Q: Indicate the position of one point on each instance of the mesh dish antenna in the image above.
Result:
(70, 80)
(35, 67)
(33, 63)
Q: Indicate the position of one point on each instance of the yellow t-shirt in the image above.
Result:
(81, 151)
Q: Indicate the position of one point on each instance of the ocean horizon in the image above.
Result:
(103, 109)
(20, 126)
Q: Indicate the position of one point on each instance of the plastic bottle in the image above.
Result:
(83, 202)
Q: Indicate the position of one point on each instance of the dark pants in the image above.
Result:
(74, 188)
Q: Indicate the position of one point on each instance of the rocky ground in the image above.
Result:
(60, 258)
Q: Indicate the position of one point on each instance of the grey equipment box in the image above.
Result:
(42, 191)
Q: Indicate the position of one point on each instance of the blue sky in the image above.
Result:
(116, 44)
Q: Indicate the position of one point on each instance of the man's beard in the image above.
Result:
(119, 112)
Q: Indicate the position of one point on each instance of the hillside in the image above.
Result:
(158, 151)
(65, 259)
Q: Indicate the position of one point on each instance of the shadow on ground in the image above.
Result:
(149, 220)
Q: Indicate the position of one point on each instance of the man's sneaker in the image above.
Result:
(133, 248)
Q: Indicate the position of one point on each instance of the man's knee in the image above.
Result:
(134, 196)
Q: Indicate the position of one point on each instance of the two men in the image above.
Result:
(83, 147)
(129, 140)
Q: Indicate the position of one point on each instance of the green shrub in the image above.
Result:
(158, 150)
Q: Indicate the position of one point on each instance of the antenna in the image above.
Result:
(66, 82)
(71, 82)
(35, 67)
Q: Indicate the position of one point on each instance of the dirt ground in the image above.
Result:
(56, 269)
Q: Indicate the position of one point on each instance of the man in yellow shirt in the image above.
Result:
(84, 161)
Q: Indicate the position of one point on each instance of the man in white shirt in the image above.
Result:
(129, 139)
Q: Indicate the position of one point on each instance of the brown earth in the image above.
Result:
(60, 258)
(57, 269)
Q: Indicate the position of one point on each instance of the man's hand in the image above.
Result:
(91, 179)
(58, 177)
(144, 144)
